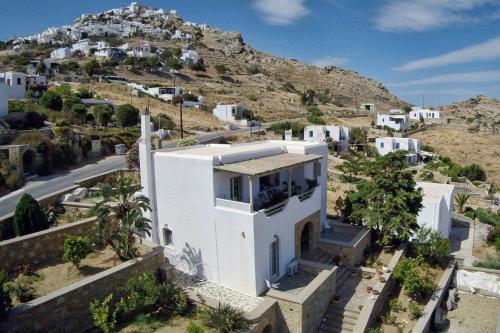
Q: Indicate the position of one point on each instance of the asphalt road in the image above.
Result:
(41, 186)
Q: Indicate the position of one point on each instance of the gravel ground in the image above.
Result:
(474, 314)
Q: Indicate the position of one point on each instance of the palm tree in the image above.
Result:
(460, 200)
(121, 215)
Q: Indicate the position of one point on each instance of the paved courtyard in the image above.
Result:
(296, 283)
(215, 291)
(353, 292)
(461, 243)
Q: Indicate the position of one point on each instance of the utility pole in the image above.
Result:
(423, 101)
(180, 105)
(260, 106)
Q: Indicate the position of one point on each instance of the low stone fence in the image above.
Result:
(304, 312)
(424, 323)
(67, 309)
(374, 304)
(352, 252)
(41, 246)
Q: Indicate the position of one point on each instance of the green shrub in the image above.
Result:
(190, 97)
(24, 290)
(29, 216)
(415, 310)
(24, 120)
(396, 306)
(489, 262)
(416, 276)
(474, 172)
(252, 98)
(76, 248)
(224, 319)
(102, 114)
(281, 127)
(84, 93)
(69, 102)
(51, 100)
(289, 87)
(127, 115)
(141, 291)
(487, 217)
(63, 90)
(432, 247)
(221, 69)
(193, 327)
(187, 142)
(79, 110)
(5, 300)
(104, 313)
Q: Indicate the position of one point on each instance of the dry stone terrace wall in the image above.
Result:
(67, 309)
(42, 246)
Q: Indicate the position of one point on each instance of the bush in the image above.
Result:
(5, 300)
(69, 102)
(289, 87)
(79, 110)
(252, 98)
(29, 216)
(84, 93)
(415, 310)
(102, 114)
(487, 217)
(23, 290)
(190, 97)
(76, 248)
(51, 100)
(127, 115)
(489, 262)
(432, 247)
(474, 172)
(187, 142)
(24, 120)
(417, 279)
(280, 128)
(104, 313)
(192, 327)
(221, 69)
(224, 319)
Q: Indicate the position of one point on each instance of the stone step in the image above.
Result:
(341, 319)
(331, 311)
(336, 326)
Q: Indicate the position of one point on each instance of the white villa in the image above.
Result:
(190, 57)
(110, 52)
(138, 49)
(417, 112)
(229, 112)
(437, 212)
(15, 83)
(320, 133)
(4, 100)
(235, 215)
(396, 122)
(368, 107)
(179, 35)
(165, 93)
(83, 46)
(389, 145)
(61, 53)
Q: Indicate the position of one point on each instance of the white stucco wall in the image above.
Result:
(388, 145)
(388, 120)
(16, 84)
(4, 100)
(337, 133)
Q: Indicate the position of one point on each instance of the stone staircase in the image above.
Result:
(317, 255)
(338, 318)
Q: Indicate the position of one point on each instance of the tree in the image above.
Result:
(29, 216)
(474, 172)
(221, 69)
(102, 114)
(358, 136)
(76, 248)
(121, 214)
(79, 110)
(174, 62)
(92, 67)
(307, 97)
(407, 108)
(69, 102)
(51, 100)
(127, 115)
(386, 200)
(460, 200)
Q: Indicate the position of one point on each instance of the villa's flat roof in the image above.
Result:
(260, 166)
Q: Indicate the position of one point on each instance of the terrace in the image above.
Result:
(270, 182)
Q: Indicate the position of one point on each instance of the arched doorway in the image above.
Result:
(29, 161)
(306, 237)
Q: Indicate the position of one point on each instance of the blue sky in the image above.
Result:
(446, 49)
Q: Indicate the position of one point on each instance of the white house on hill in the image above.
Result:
(61, 53)
(139, 49)
(229, 112)
(83, 46)
(417, 112)
(320, 133)
(388, 145)
(4, 100)
(396, 122)
(235, 215)
(437, 211)
(15, 83)
(190, 57)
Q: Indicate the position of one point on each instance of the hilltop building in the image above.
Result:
(61, 53)
(322, 133)
(418, 113)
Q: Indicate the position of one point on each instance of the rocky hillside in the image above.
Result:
(481, 112)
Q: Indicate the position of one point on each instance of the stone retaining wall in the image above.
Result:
(304, 312)
(41, 246)
(352, 253)
(374, 304)
(67, 309)
(424, 323)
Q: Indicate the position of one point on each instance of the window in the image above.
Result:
(381, 145)
(8, 82)
(311, 134)
(235, 188)
(270, 181)
(316, 169)
(167, 236)
(397, 145)
(18, 81)
(274, 254)
(327, 134)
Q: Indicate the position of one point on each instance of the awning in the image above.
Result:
(269, 164)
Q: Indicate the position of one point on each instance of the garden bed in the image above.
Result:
(56, 274)
(378, 257)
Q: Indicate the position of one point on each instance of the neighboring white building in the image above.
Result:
(179, 35)
(165, 93)
(389, 145)
(110, 52)
(15, 83)
(229, 112)
(61, 53)
(235, 215)
(83, 45)
(320, 133)
(396, 122)
(368, 107)
(190, 57)
(101, 45)
(437, 211)
(417, 112)
(51, 67)
(396, 111)
(139, 49)
(4, 100)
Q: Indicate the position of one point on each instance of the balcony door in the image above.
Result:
(235, 188)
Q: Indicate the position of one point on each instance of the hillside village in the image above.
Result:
(161, 175)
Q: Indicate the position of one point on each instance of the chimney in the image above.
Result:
(147, 173)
